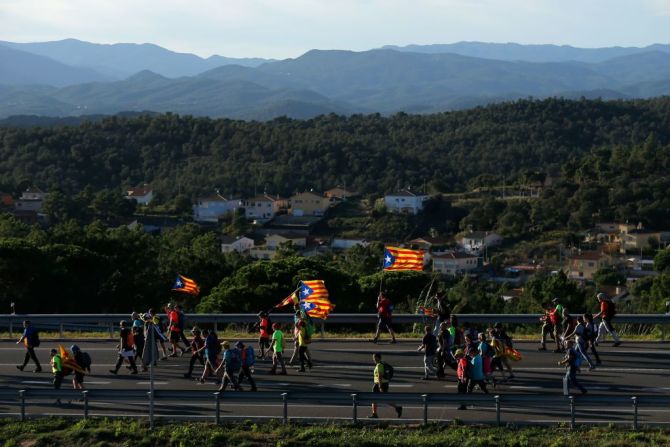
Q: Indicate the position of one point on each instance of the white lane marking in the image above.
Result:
(401, 385)
(334, 384)
(155, 383)
(37, 382)
(526, 387)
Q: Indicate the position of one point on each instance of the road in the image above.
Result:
(632, 369)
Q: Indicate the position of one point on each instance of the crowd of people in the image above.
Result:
(478, 358)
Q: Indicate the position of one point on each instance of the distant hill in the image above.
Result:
(529, 53)
(23, 68)
(346, 82)
(120, 60)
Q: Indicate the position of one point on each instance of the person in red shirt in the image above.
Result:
(607, 312)
(265, 326)
(384, 313)
(462, 374)
(174, 327)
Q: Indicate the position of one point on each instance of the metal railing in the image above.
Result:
(24, 399)
(109, 322)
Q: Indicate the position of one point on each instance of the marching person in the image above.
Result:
(174, 329)
(462, 374)
(607, 312)
(429, 347)
(382, 377)
(443, 310)
(556, 319)
(231, 366)
(571, 361)
(197, 343)
(126, 344)
(277, 346)
(210, 350)
(248, 360)
(384, 313)
(57, 371)
(582, 336)
(265, 327)
(303, 341)
(30, 340)
(593, 335)
(547, 327)
(78, 379)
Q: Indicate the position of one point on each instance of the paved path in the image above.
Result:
(631, 369)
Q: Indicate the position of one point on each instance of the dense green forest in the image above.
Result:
(609, 161)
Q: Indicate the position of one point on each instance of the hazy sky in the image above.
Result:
(288, 28)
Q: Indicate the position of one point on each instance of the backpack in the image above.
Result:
(235, 359)
(610, 310)
(85, 360)
(388, 371)
(35, 342)
(182, 321)
(249, 356)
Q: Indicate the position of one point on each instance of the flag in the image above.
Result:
(402, 259)
(291, 299)
(427, 311)
(68, 361)
(314, 299)
(186, 285)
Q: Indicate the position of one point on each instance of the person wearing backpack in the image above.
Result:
(582, 335)
(83, 360)
(265, 327)
(429, 347)
(462, 374)
(182, 326)
(126, 344)
(592, 335)
(30, 340)
(248, 361)
(607, 312)
(383, 373)
(384, 314)
(572, 362)
(231, 364)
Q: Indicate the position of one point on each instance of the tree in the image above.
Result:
(662, 260)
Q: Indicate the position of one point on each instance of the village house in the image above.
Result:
(340, 243)
(214, 207)
(584, 265)
(240, 244)
(405, 202)
(268, 250)
(263, 207)
(476, 242)
(142, 194)
(454, 263)
(31, 200)
(309, 203)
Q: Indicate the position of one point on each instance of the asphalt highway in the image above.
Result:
(632, 369)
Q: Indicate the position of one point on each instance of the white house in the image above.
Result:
(272, 243)
(405, 202)
(31, 200)
(210, 209)
(474, 242)
(142, 194)
(262, 206)
(339, 243)
(454, 263)
(239, 244)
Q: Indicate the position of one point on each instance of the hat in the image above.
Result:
(555, 300)
(53, 351)
(458, 353)
(239, 344)
(123, 323)
(601, 296)
(195, 329)
(276, 325)
(225, 344)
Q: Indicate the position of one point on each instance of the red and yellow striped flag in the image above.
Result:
(186, 285)
(314, 299)
(402, 259)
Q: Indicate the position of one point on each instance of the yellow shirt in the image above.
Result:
(379, 373)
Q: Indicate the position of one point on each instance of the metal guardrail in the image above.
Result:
(24, 398)
(109, 322)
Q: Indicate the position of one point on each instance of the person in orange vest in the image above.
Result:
(385, 313)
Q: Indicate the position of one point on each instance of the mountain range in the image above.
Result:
(71, 77)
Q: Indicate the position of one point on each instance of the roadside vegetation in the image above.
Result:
(104, 432)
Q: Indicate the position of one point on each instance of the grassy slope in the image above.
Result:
(103, 432)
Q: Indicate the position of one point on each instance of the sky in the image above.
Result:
(288, 28)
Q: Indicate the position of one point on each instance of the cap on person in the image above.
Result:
(239, 344)
(555, 300)
(74, 348)
(225, 344)
(459, 353)
(195, 330)
(276, 325)
(170, 305)
(601, 296)
(53, 351)
(123, 323)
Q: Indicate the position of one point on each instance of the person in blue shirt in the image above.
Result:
(477, 376)
(210, 349)
(572, 362)
(30, 340)
(232, 361)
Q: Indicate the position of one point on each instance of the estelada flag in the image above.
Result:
(291, 299)
(68, 361)
(314, 299)
(402, 259)
(186, 285)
